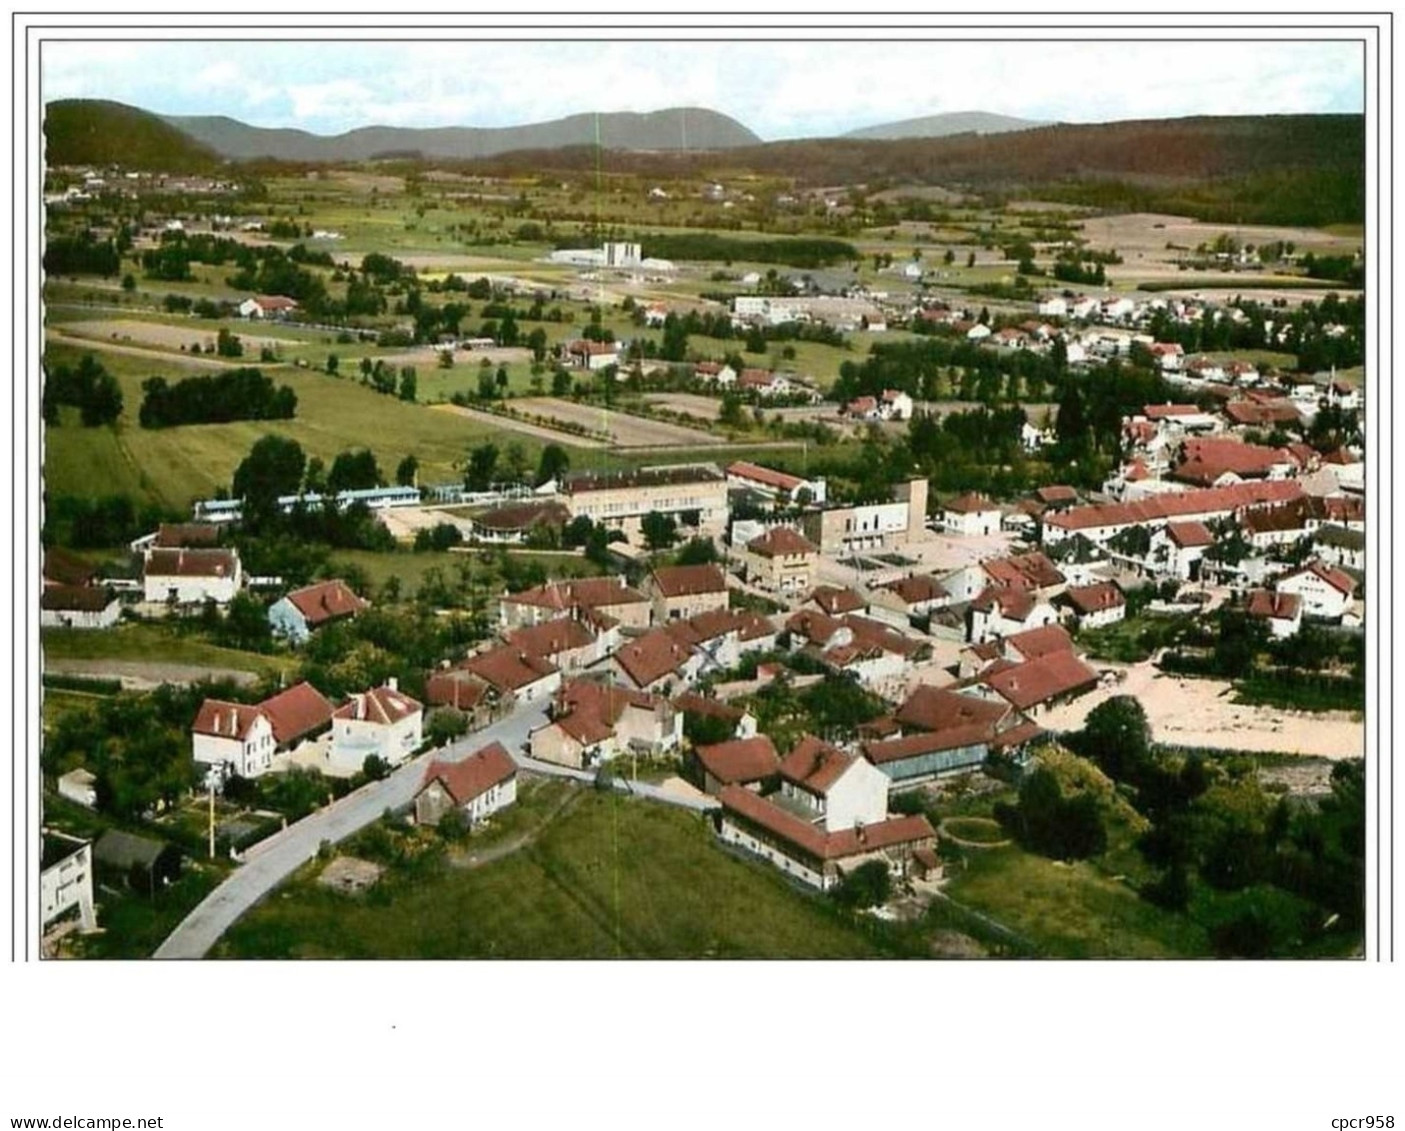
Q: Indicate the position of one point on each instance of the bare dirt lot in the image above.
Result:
(694, 404)
(129, 331)
(624, 431)
(536, 431)
(1198, 712)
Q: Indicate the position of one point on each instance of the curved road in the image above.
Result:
(271, 861)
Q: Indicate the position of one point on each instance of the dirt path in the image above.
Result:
(520, 841)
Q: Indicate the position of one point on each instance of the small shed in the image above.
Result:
(143, 864)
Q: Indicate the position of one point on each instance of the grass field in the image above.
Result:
(612, 878)
(1070, 910)
(411, 568)
(174, 466)
(153, 642)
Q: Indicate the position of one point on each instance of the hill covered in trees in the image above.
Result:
(82, 131)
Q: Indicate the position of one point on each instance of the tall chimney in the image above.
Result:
(393, 683)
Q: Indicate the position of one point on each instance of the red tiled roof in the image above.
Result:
(781, 541)
(383, 705)
(1038, 681)
(1095, 598)
(1024, 571)
(1276, 606)
(76, 598)
(191, 563)
(1056, 493)
(509, 669)
(834, 600)
(1163, 411)
(918, 588)
(740, 760)
(522, 516)
(326, 601)
(874, 634)
(689, 580)
(648, 658)
(458, 688)
(814, 626)
(472, 776)
(550, 637)
(1333, 577)
(1268, 520)
(815, 765)
(276, 302)
(1206, 460)
(174, 535)
(1262, 412)
(1012, 603)
(938, 709)
(928, 742)
(590, 592)
(1157, 508)
(691, 703)
(594, 349)
(970, 503)
(812, 841)
(1189, 534)
(1036, 642)
(223, 719)
(296, 712)
(742, 469)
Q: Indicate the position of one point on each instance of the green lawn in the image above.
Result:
(411, 567)
(614, 877)
(1070, 910)
(154, 642)
(175, 466)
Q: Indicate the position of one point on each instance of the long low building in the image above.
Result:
(805, 851)
(1099, 523)
(620, 500)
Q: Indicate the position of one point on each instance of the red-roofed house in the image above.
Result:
(609, 596)
(592, 722)
(834, 601)
(1223, 462)
(908, 597)
(566, 642)
(1283, 611)
(384, 722)
(1096, 605)
(297, 615)
(233, 738)
(773, 484)
(1035, 686)
(800, 849)
(297, 714)
(1098, 523)
(477, 786)
(515, 673)
(584, 354)
(78, 606)
(656, 662)
(832, 789)
(1324, 591)
(1178, 548)
(749, 762)
(1004, 610)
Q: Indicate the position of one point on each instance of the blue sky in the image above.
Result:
(777, 89)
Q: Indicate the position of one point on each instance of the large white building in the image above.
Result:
(233, 737)
(191, 577)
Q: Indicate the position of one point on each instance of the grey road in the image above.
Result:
(271, 861)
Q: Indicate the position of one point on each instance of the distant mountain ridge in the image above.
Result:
(678, 128)
(945, 125)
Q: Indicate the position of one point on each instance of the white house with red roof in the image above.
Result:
(1324, 591)
(233, 738)
(1282, 611)
(1176, 549)
(585, 354)
(772, 484)
(1004, 610)
(1097, 605)
(298, 614)
(267, 306)
(477, 786)
(383, 721)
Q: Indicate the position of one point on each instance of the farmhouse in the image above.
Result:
(191, 577)
(267, 306)
(476, 786)
(807, 853)
(78, 606)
